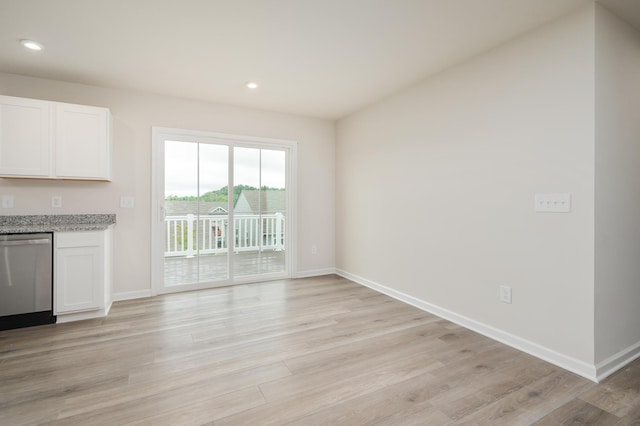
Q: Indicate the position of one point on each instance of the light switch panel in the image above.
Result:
(7, 201)
(126, 202)
(553, 203)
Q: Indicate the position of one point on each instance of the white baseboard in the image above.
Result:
(615, 362)
(576, 366)
(128, 295)
(314, 272)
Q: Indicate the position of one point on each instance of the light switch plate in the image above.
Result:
(7, 201)
(553, 203)
(505, 294)
(126, 202)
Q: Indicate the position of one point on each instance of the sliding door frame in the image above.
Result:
(162, 134)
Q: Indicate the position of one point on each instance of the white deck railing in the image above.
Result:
(191, 234)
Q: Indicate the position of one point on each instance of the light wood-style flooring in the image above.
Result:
(311, 351)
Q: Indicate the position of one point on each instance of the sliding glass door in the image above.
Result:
(196, 221)
(223, 210)
(260, 211)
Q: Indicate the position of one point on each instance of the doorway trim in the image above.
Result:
(158, 137)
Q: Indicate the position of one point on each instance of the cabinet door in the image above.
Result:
(82, 142)
(24, 137)
(79, 278)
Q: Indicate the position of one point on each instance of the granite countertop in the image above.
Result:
(55, 223)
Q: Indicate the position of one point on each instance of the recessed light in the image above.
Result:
(251, 84)
(30, 44)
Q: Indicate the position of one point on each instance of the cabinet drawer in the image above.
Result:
(78, 239)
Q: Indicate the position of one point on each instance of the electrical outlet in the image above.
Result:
(505, 294)
(56, 201)
(314, 249)
(7, 201)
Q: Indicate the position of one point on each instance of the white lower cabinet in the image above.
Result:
(82, 271)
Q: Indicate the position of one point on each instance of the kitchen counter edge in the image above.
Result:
(18, 224)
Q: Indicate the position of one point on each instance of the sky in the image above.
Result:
(252, 166)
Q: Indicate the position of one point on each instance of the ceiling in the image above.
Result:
(318, 58)
(629, 10)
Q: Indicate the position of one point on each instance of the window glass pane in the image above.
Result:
(180, 200)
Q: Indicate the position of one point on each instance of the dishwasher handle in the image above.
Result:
(24, 242)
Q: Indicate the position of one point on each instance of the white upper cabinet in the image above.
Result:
(82, 142)
(54, 140)
(24, 137)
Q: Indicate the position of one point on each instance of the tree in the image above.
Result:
(221, 194)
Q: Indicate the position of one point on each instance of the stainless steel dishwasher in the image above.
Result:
(26, 280)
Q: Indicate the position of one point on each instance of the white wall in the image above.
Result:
(133, 115)
(435, 190)
(617, 197)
